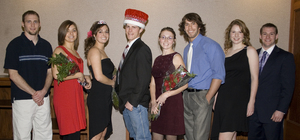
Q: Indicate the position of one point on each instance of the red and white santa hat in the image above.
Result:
(135, 17)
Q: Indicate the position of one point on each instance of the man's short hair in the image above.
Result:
(269, 25)
(30, 12)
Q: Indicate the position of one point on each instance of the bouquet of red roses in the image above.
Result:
(172, 81)
(65, 67)
(176, 79)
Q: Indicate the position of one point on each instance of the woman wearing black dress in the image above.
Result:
(101, 68)
(235, 99)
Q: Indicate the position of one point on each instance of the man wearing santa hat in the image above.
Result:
(134, 76)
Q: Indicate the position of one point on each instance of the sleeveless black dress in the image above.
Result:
(171, 120)
(100, 103)
(231, 106)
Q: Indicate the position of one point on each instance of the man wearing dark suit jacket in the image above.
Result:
(275, 89)
(134, 77)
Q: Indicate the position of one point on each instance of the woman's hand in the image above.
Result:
(162, 98)
(81, 77)
(114, 79)
(250, 108)
(154, 109)
(88, 82)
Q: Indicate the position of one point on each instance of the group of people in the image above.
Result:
(248, 89)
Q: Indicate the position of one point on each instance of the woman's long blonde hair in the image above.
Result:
(244, 29)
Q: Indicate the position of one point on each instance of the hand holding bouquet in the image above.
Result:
(65, 67)
(155, 111)
(114, 96)
(172, 81)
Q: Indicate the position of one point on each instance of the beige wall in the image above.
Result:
(217, 14)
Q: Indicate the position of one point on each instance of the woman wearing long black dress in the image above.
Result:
(235, 99)
(101, 68)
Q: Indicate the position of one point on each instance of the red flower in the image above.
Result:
(178, 79)
(167, 88)
(166, 84)
(178, 75)
(173, 84)
(173, 81)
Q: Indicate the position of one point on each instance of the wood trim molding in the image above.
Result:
(291, 130)
(296, 5)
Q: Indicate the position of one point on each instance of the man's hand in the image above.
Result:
(208, 98)
(277, 116)
(38, 97)
(129, 106)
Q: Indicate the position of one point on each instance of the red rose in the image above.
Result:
(167, 88)
(166, 83)
(173, 84)
(171, 77)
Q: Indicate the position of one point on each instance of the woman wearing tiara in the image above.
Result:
(101, 68)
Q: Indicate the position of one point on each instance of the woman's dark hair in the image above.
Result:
(90, 41)
(63, 30)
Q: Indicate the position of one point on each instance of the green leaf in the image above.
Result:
(63, 64)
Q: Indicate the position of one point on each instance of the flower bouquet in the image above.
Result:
(114, 96)
(176, 79)
(65, 67)
(172, 81)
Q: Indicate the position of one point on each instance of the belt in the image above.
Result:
(195, 90)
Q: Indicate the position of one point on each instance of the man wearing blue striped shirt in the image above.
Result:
(27, 63)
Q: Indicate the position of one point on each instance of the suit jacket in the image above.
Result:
(276, 84)
(135, 76)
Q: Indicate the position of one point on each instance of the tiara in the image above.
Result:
(101, 22)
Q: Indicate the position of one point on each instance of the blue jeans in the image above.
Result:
(137, 123)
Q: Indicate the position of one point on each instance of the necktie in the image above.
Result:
(122, 60)
(123, 57)
(262, 61)
(189, 57)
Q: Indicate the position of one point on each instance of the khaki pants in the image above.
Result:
(197, 115)
(27, 116)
